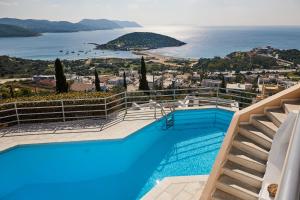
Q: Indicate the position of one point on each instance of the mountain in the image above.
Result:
(128, 24)
(15, 31)
(141, 41)
(43, 26)
(99, 24)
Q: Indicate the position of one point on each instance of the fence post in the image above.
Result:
(105, 108)
(17, 113)
(155, 111)
(63, 110)
(174, 95)
(126, 102)
(217, 99)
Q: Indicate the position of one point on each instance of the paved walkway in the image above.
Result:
(178, 188)
(83, 130)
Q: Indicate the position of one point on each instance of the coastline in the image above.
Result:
(162, 59)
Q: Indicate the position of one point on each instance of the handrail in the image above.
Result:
(290, 177)
(206, 95)
(165, 115)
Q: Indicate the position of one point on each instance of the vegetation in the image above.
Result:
(25, 68)
(61, 82)
(255, 84)
(236, 61)
(141, 41)
(53, 96)
(97, 82)
(124, 81)
(292, 55)
(15, 31)
(143, 78)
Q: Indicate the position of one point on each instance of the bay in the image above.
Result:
(201, 42)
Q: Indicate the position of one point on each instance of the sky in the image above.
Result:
(160, 12)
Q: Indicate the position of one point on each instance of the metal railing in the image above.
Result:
(103, 108)
(289, 187)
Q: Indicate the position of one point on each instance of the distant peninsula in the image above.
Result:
(141, 41)
(15, 31)
(46, 26)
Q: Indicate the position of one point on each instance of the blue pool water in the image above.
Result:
(119, 169)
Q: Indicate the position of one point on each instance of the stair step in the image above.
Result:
(276, 115)
(243, 174)
(220, 195)
(246, 145)
(265, 125)
(236, 188)
(246, 160)
(251, 132)
(291, 105)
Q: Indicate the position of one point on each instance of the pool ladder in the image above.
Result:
(169, 117)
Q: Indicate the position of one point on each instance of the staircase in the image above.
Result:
(241, 175)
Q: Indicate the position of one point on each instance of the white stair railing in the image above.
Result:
(289, 186)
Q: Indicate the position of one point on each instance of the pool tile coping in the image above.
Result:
(177, 188)
(118, 131)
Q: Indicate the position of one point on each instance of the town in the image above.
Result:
(167, 73)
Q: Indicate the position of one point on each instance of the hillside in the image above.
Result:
(141, 41)
(128, 24)
(99, 24)
(15, 31)
(43, 26)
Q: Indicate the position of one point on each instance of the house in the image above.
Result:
(38, 78)
(82, 87)
(238, 86)
(211, 83)
(154, 81)
(118, 81)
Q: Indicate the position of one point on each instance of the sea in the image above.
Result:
(202, 42)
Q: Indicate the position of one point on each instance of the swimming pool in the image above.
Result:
(116, 169)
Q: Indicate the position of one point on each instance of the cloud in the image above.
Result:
(133, 6)
(8, 3)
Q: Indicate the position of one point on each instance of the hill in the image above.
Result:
(15, 31)
(43, 26)
(128, 24)
(99, 24)
(141, 41)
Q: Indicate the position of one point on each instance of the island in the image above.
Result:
(140, 41)
(15, 31)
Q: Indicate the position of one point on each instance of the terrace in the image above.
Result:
(119, 116)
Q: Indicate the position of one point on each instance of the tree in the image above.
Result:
(97, 82)
(143, 78)
(11, 91)
(255, 84)
(240, 78)
(61, 82)
(124, 81)
(223, 83)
